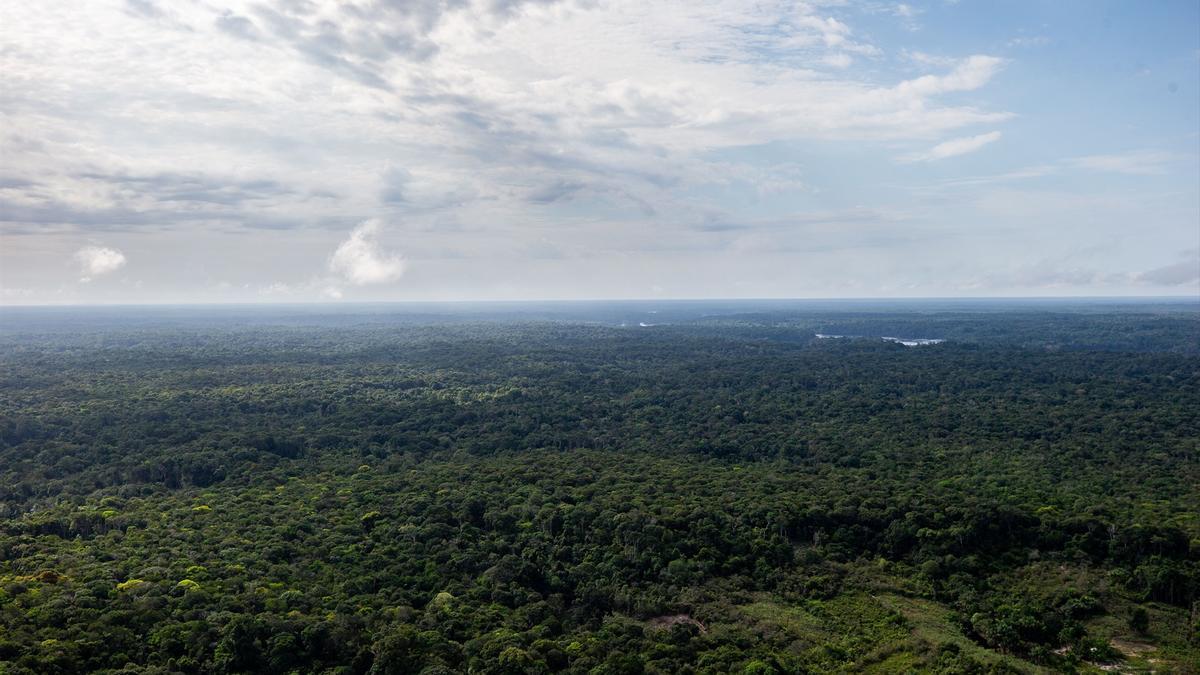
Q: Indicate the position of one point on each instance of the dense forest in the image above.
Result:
(605, 488)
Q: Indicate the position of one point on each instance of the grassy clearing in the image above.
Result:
(931, 627)
(844, 633)
(1164, 647)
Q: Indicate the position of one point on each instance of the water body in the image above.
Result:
(907, 342)
(914, 342)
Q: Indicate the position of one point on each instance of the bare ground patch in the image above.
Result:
(666, 621)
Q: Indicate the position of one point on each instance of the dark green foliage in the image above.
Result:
(725, 495)
(1139, 620)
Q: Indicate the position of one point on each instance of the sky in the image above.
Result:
(314, 151)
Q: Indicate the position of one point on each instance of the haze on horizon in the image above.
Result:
(282, 151)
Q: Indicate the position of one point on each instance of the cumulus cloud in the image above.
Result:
(360, 259)
(96, 261)
(955, 147)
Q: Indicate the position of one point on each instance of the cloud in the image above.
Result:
(237, 26)
(555, 190)
(1061, 274)
(276, 289)
(955, 147)
(833, 33)
(96, 261)
(396, 184)
(928, 60)
(1029, 41)
(509, 135)
(838, 60)
(908, 16)
(970, 74)
(96, 198)
(144, 7)
(486, 105)
(1178, 274)
(361, 261)
(1139, 162)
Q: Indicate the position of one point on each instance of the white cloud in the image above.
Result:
(928, 60)
(511, 137)
(17, 295)
(907, 15)
(955, 147)
(1141, 162)
(970, 74)
(276, 289)
(1029, 41)
(1137, 162)
(838, 60)
(482, 103)
(833, 33)
(95, 261)
(360, 260)
(602, 119)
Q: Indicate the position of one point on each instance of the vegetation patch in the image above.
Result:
(722, 496)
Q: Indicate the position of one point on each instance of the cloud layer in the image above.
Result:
(289, 113)
(527, 141)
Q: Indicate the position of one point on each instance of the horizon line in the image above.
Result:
(344, 303)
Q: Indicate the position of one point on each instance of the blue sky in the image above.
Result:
(274, 151)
